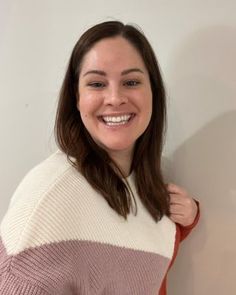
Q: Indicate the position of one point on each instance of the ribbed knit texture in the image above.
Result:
(59, 236)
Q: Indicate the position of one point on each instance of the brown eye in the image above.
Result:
(132, 83)
(96, 84)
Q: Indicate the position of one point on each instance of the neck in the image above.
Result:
(123, 160)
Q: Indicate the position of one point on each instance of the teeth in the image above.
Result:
(115, 124)
(118, 119)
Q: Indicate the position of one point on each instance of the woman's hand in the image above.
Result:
(183, 208)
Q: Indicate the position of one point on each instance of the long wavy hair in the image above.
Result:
(94, 162)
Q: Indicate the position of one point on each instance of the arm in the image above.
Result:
(11, 282)
(185, 212)
(12, 285)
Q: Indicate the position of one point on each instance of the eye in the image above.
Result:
(131, 83)
(96, 84)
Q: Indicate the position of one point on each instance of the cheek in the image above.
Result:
(147, 103)
(148, 111)
(85, 112)
(87, 104)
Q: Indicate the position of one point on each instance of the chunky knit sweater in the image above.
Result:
(60, 236)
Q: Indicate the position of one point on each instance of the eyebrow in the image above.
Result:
(125, 72)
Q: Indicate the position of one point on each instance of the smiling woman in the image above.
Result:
(71, 227)
(115, 97)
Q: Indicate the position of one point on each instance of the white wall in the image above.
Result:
(195, 42)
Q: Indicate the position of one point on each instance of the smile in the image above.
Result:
(117, 120)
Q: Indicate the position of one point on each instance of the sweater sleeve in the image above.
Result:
(26, 267)
(12, 285)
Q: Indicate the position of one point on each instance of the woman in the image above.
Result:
(96, 217)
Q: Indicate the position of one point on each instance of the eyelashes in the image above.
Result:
(132, 83)
(96, 85)
(100, 85)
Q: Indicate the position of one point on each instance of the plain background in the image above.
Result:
(195, 42)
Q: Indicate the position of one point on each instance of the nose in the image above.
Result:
(115, 97)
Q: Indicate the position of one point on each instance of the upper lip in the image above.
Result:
(116, 114)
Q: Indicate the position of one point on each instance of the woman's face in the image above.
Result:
(115, 97)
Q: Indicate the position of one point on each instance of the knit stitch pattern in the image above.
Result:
(60, 236)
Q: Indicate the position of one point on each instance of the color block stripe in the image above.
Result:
(70, 209)
(99, 268)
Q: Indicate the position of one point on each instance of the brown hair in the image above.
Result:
(94, 162)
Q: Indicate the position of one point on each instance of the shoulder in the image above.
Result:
(41, 178)
(38, 203)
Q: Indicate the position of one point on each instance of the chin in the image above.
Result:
(119, 147)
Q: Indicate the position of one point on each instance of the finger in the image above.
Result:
(181, 220)
(177, 209)
(175, 189)
(177, 199)
(176, 218)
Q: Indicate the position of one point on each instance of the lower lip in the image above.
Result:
(115, 127)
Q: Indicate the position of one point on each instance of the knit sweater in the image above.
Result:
(60, 236)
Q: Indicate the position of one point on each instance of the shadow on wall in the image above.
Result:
(205, 163)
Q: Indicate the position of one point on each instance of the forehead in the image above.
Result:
(114, 53)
